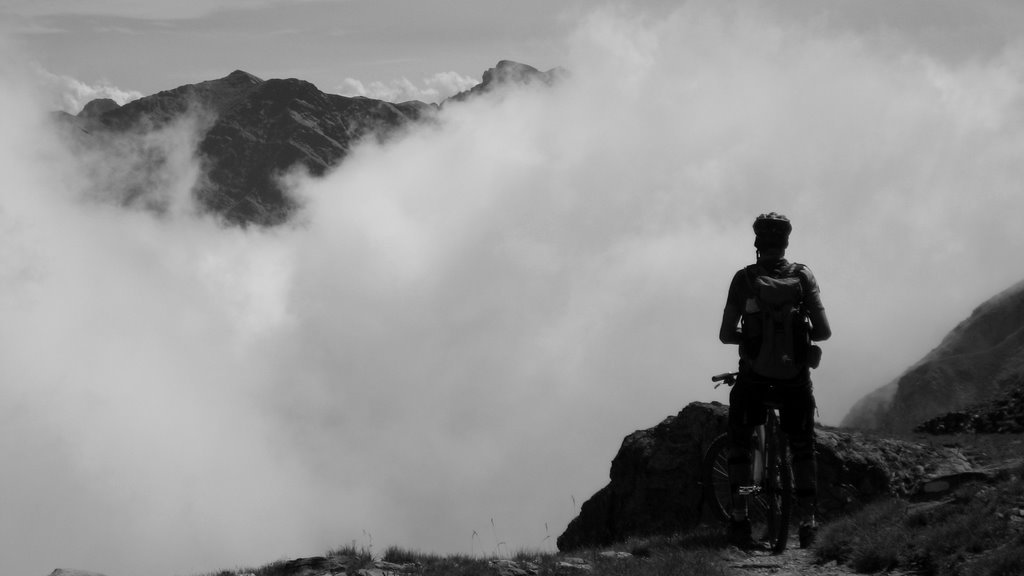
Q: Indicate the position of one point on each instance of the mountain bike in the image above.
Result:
(770, 496)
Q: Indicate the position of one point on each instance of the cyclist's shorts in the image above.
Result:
(796, 413)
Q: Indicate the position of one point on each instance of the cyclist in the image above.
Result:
(794, 394)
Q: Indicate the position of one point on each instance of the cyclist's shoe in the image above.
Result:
(808, 533)
(740, 535)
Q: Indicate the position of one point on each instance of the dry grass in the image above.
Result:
(697, 552)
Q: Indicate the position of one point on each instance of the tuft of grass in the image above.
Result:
(360, 556)
(399, 555)
(866, 540)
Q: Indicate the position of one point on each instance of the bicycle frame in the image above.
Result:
(770, 493)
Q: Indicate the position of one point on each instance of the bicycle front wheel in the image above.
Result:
(718, 487)
(717, 490)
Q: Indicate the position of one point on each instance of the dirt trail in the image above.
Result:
(792, 562)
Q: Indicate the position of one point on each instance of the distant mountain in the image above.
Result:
(979, 360)
(510, 73)
(251, 131)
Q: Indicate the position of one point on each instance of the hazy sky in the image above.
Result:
(145, 46)
(470, 319)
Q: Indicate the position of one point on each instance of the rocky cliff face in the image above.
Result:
(656, 488)
(250, 132)
(980, 359)
(280, 125)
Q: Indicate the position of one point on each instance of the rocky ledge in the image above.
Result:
(656, 485)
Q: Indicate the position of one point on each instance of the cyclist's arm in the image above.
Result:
(730, 333)
(820, 329)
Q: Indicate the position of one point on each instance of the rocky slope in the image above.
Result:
(978, 360)
(1004, 415)
(249, 132)
(656, 488)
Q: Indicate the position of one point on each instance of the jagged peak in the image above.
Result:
(510, 68)
(510, 72)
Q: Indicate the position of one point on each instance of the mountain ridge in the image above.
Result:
(251, 132)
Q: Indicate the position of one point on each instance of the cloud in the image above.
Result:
(468, 320)
(69, 94)
(433, 89)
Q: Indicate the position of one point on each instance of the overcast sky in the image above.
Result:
(144, 46)
(472, 317)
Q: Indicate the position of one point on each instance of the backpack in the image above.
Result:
(774, 323)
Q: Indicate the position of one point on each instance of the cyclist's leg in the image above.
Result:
(746, 411)
(797, 416)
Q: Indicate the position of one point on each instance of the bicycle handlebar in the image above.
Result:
(727, 378)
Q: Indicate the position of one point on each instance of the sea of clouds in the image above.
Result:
(447, 347)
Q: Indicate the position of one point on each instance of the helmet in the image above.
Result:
(772, 230)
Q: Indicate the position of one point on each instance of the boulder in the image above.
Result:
(656, 479)
(313, 566)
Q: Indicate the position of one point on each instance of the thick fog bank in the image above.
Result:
(446, 349)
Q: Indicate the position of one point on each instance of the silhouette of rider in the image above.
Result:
(795, 395)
